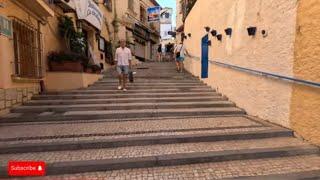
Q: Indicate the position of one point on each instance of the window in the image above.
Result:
(27, 50)
(131, 5)
(143, 14)
(108, 4)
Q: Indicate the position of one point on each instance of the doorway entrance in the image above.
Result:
(204, 56)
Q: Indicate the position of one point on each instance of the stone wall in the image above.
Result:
(15, 96)
(305, 103)
(289, 49)
(268, 99)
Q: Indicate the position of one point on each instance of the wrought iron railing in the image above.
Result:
(262, 73)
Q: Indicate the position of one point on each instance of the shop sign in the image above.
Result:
(139, 31)
(166, 16)
(89, 11)
(154, 13)
(5, 26)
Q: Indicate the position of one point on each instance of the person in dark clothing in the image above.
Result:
(159, 51)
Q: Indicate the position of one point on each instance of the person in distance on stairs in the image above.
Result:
(180, 52)
(123, 59)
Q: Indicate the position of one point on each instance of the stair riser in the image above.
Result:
(63, 109)
(131, 91)
(119, 116)
(153, 85)
(138, 81)
(123, 101)
(140, 142)
(145, 88)
(120, 96)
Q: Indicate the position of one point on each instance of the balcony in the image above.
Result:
(39, 7)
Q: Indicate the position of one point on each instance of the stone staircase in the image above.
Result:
(167, 126)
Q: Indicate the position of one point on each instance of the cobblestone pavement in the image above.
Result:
(113, 128)
(51, 121)
(206, 171)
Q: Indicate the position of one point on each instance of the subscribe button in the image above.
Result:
(26, 168)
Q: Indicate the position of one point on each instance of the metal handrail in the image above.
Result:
(266, 74)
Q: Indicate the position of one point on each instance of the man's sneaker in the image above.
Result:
(119, 87)
(124, 89)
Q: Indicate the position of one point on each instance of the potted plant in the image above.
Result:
(96, 68)
(66, 61)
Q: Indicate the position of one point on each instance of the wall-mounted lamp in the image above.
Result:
(252, 31)
(219, 37)
(214, 32)
(189, 34)
(98, 36)
(79, 25)
(228, 31)
(207, 28)
(209, 43)
(264, 33)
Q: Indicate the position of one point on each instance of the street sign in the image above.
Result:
(166, 16)
(5, 26)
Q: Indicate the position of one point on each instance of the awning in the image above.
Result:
(39, 7)
(89, 11)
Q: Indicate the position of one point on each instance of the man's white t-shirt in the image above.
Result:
(182, 51)
(123, 56)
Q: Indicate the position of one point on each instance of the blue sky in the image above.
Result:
(171, 4)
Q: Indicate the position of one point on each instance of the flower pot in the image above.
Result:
(88, 70)
(228, 31)
(68, 66)
(252, 31)
(214, 33)
(219, 37)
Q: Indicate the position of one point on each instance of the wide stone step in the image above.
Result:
(130, 88)
(120, 106)
(133, 90)
(108, 80)
(124, 95)
(140, 141)
(124, 100)
(118, 114)
(154, 83)
(132, 127)
(104, 159)
(280, 168)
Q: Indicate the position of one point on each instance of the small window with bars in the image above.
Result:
(27, 50)
(108, 4)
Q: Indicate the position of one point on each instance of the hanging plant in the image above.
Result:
(74, 40)
(66, 29)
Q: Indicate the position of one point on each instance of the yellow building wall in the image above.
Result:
(61, 81)
(305, 103)
(7, 48)
(267, 98)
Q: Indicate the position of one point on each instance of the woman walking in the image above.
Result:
(180, 52)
